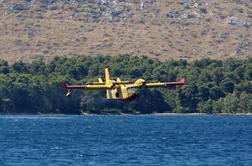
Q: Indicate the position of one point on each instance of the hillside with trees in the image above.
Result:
(213, 86)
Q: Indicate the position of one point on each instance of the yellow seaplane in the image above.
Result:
(118, 89)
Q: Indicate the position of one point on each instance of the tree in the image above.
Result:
(4, 67)
(37, 67)
(150, 101)
(93, 70)
(19, 67)
(245, 103)
(206, 106)
(218, 75)
(230, 104)
(203, 92)
(188, 99)
(216, 93)
(217, 106)
(227, 85)
(212, 86)
(248, 74)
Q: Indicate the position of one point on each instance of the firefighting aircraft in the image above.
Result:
(118, 89)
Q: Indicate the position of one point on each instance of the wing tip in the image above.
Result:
(182, 81)
(64, 85)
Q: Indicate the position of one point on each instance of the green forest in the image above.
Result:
(213, 86)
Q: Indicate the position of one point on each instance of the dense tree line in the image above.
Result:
(212, 86)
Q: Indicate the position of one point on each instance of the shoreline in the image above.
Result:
(125, 114)
(202, 114)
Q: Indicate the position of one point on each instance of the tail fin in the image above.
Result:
(107, 74)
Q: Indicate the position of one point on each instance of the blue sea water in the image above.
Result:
(126, 140)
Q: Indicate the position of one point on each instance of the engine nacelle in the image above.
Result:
(140, 82)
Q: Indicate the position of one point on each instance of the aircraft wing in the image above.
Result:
(87, 86)
(163, 84)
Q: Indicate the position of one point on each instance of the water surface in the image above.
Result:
(126, 140)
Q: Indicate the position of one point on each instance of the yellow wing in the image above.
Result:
(88, 86)
(141, 83)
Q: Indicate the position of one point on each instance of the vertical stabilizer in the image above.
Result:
(107, 75)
